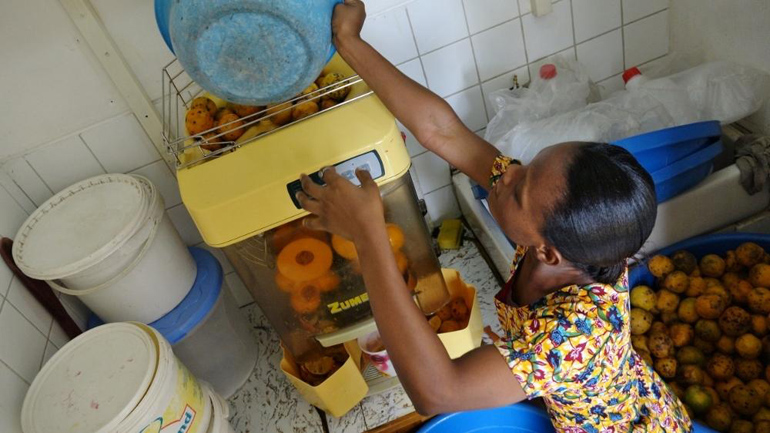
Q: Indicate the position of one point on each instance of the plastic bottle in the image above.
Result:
(672, 96)
(634, 79)
(549, 80)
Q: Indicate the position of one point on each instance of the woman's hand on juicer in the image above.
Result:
(348, 20)
(341, 207)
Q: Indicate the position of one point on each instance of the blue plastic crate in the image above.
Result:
(685, 173)
(658, 149)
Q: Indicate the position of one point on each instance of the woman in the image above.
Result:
(577, 212)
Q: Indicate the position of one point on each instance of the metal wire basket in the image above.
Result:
(179, 90)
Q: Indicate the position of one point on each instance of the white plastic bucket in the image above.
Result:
(175, 401)
(121, 377)
(221, 412)
(108, 241)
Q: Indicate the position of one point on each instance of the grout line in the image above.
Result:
(653, 60)
(13, 181)
(25, 318)
(572, 17)
(488, 28)
(145, 166)
(441, 47)
(609, 78)
(504, 73)
(419, 56)
(475, 62)
(524, 40)
(35, 148)
(38, 175)
(599, 35)
(623, 35)
(14, 372)
(460, 91)
(47, 342)
(92, 154)
(442, 186)
(644, 17)
(21, 206)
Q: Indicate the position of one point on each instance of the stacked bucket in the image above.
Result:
(108, 241)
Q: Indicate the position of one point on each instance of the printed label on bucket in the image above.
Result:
(183, 414)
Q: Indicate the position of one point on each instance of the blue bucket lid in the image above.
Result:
(177, 323)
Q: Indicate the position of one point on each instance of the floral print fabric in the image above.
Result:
(572, 348)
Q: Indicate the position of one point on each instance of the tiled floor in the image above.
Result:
(269, 403)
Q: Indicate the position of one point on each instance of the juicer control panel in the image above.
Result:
(369, 161)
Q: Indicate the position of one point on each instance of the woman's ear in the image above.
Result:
(548, 255)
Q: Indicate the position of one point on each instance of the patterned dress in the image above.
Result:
(572, 348)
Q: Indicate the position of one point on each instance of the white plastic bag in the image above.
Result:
(569, 90)
(621, 115)
(724, 91)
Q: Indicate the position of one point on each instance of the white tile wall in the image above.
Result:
(451, 69)
(27, 337)
(499, 49)
(413, 70)
(635, 9)
(24, 176)
(432, 171)
(594, 17)
(65, 162)
(548, 34)
(120, 144)
(646, 39)
(391, 35)
(483, 14)
(14, 389)
(437, 23)
(160, 175)
(22, 349)
(442, 204)
(184, 224)
(469, 105)
(602, 56)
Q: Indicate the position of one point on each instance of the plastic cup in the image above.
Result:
(371, 344)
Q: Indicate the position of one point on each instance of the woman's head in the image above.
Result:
(589, 204)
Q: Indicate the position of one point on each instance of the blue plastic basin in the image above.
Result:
(251, 52)
(517, 418)
(700, 246)
(685, 173)
(658, 149)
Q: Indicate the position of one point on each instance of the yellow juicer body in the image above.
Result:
(247, 192)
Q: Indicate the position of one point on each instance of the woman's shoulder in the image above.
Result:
(585, 309)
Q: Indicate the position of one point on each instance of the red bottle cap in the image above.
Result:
(631, 73)
(548, 71)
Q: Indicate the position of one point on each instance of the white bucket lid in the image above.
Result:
(92, 383)
(80, 226)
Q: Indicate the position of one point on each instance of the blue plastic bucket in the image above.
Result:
(251, 52)
(195, 307)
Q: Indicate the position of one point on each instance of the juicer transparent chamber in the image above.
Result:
(309, 283)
